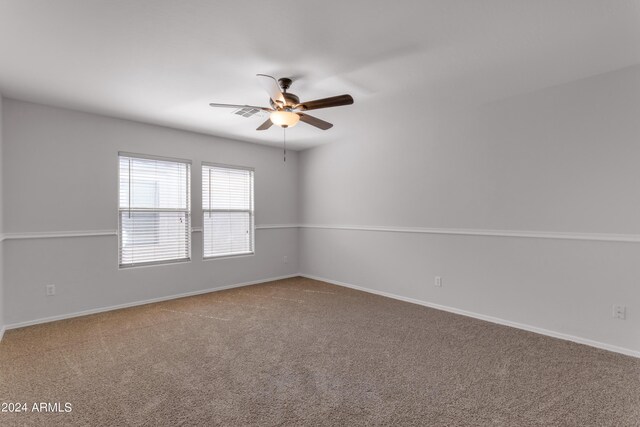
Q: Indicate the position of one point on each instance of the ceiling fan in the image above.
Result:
(286, 109)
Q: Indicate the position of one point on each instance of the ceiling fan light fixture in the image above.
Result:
(285, 119)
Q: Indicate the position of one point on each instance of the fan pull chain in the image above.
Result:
(284, 143)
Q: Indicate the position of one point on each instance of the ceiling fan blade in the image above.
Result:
(272, 87)
(239, 106)
(334, 101)
(266, 125)
(314, 121)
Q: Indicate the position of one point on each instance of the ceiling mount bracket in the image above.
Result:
(285, 83)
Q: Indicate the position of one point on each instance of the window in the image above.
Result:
(227, 204)
(154, 210)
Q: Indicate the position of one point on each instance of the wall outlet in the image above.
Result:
(285, 259)
(50, 290)
(620, 312)
(438, 281)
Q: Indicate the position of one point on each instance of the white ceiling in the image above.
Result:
(163, 61)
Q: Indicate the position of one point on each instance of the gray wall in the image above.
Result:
(60, 170)
(564, 159)
(1, 229)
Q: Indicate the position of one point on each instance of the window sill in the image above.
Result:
(153, 264)
(241, 255)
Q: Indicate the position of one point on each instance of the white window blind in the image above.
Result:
(227, 203)
(154, 211)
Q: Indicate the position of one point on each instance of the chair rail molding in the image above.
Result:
(602, 237)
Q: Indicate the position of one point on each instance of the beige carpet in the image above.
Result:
(303, 352)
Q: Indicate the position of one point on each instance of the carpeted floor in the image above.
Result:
(303, 352)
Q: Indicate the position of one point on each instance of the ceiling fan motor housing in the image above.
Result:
(291, 100)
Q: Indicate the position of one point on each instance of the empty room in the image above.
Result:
(336, 213)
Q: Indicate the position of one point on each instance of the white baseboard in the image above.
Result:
(2, 332)
(137, 303)
(491, 319)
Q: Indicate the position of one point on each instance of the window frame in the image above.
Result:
(252, 211)
(188, 212)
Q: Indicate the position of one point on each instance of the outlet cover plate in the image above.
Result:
(620, 312)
